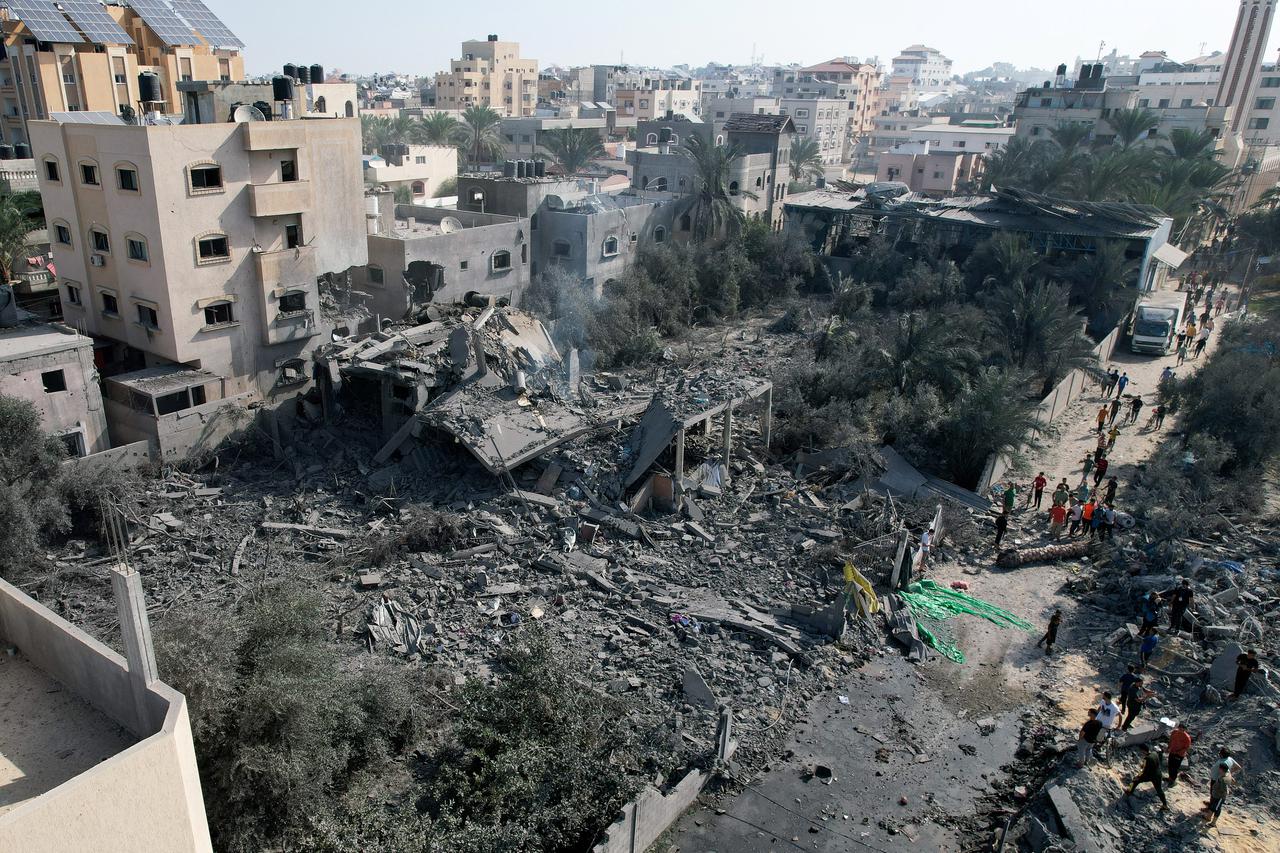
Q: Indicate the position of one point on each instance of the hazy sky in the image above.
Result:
(420, 36)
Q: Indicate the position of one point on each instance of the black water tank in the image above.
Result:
(149, 87)
(317, 74)
(23, 150)
(520, 169)
(664, 136)
(540, 168)
(1062, 70)
(282, 88)
(304, 74)
(290, 70)
(6, 152)
(509, 169)
(264, 108)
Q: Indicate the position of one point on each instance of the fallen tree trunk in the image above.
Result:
(1011, 558)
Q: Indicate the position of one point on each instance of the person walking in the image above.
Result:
(1108, 523)
(926, 540)
(1108, 711)
(1182, 352)
(1191, 329)
(1112, 378)
(1181, 598)
(1088, 738)
(1061, 493)
(1179, 746)
(1037, 487)
(1220, 305)
(1246, 666)
(1127, 681)
(1220, 781)
(1051, 635)
(1086, 517)
(1135, 408)
(1158, 417)
(1077, 513)
(1152, 771)
(1087, 464)
(1010, 497)
(1152, 602)
(1057, 517)
(1002, 524)
(1121, 383)
(1102, 419)
(1109, 494)
(1148, 647)
(1113, 433)
(1100, 470)
(1137, 699)
(1201, 343)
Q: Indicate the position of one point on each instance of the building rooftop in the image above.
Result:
(36, 338)
(48, 735)
(163, 379)
(755, 123)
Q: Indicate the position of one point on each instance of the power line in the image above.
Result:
(806, 819)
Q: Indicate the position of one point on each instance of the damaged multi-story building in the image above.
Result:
(200, 247)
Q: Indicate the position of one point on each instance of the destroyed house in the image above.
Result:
(424, 255)
(598, 236)
(837, 223)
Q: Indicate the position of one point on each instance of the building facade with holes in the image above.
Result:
(202, 245)
(597, 237)
(52, 367)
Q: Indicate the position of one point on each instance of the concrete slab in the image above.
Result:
(1073, 823)
(1222, 674)
(697, 691)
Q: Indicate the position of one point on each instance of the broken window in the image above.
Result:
(73, 443)
(610, 246)
(218, 313)
(292, 303)
(53, 381)
(660, 234)
(73, 294)
(128, 179)
(376, 275)
(110, 305)
(501, 260)
(175, 402)
(63, 234)
(288, 170)
(733, 188)
(89, 174)
(148, 317)
(292, 372)
(686, 222)
(292, 236)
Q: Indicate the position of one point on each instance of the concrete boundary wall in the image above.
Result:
(145, 798)
(125, 456)
(1051, 407)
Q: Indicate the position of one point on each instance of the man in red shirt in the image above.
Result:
(1100, 470)
(1057, 517)
(1179, 746)
(1038, 485)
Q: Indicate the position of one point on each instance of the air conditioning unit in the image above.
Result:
(97, 261)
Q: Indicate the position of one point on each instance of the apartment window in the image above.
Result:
(118, 72)
(51, 171)
(651, 139)
(500, 261)
(1265, 104)
(294, 302)
(1164, 104)
(610, 246)
(206, 177)
(73, 294)
(420, 160)
(127, 179)
(288, 171)
(1270, 83)
(561, 249)
(148, 317)
(137, 249)
(292, 236)
(1186, 102)
(110, 305)
(184, 68)
(960, 144)
(1259, 123)
(1144, 102)
(89, 174)
(53, 381)
(1035, 131)
(218, 314)
(802, 128)
(101, 242)
(465, 265)
(224, 70)
(937, 176)
(802, 113)
(1045, 103)
(376, 275)
(63, 234)
(213, 248)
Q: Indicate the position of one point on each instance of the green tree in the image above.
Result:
(403, 195)
(1110, 175)
(377, 131)
(1098, 282)
(1071, 136)
(710, 206)
(30, 499)
(1133, 125)
(1188, 144)
(483, 128)
(1035, 327)
(573, 148)
(438, 129)
(806, 160)
(15, 225)
(1013, 165)
(929, 349)
(992, 415)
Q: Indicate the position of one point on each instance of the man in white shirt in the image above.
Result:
(1108, 712)
(926, 540)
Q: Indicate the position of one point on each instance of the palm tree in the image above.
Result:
(1070, 135)
(1186, 144)
(1133, 125)
(931, 350)
(1098, 281)
(1035, 326)
(482, 126)
(1109, 175)
(710, 206)
(1013, 164)
(573, 147)
(377, 131)
(437, 129)
(1011, 258)
(806, 160)
(15, 225)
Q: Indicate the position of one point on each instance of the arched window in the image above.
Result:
(501, 261)
(610, 246)
(660, 234)
(89, 176)
(351, 110)
(321, 106)
(419, 188)
(127, 177)
(212, 247)
(61, 232)
(204, 177)
(136, 248)
(686, 222)
(675, 139)
(52, 171)
(759, 182)
(99, 241)
(651, 139)
(719, 140)
(733, 188)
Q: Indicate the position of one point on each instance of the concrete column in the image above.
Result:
(766, 418)
(726, 438)
(724, 734)
(131, 607)
(679, 472)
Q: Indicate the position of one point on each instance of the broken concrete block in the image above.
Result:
(370, 580)
(697, 530)
(1072, 821)
(1227, 596)
(1222, 674)
(1219, 632)
(1140, 733)
(696, 689)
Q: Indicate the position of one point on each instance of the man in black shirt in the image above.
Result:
(1246, 665)
(1180, 600)
(1088, 737)
(1127, 681)
(1153, 772)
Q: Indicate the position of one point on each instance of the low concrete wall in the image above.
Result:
(125, 456)
(184, 433)
(1060, 398)
(145, 798)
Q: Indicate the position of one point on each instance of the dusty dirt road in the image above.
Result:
(919, 746)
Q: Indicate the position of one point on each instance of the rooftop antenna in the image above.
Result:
(1101, 45)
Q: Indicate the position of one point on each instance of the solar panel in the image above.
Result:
(87, 117)
(94, 22)
(207, 24)
(45, 21)
(167, 26)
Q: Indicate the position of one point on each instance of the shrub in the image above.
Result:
(31, 505)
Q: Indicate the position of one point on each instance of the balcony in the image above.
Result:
(287, 266)
(280, 199)
(274, 135)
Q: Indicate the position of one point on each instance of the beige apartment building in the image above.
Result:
(89, 58)
(490, 73)
(193, 252)
(656, 97)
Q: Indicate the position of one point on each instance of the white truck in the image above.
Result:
(1157, 319)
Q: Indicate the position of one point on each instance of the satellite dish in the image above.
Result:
(554, 202)
(450, 224)
(247, 113)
